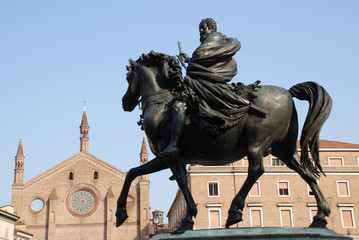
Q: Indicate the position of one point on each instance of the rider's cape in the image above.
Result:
(212, 65)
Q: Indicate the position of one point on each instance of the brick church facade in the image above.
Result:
(76, 199)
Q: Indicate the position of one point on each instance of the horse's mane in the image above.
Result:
(171, 69)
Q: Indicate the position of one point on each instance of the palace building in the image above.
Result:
(280, 198)
(76, 199)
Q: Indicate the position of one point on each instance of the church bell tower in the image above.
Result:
(19, 165)
(144, 152)
(84, 133)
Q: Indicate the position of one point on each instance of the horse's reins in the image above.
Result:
(143, 103)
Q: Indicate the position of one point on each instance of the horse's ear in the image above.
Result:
(132, 63)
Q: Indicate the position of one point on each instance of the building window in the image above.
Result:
(6, 233)
(214, 218)
(310, 192)
(71, 175)
(213, 189)
(95, 174)
(347, 218)
(52, 217)
(286, 217)
(343, 188)
(256, 217)
(276, 162)
(37, 205)
(283, 188)
(336, 161)
(312, 213)
(245, 162)
(255, 190)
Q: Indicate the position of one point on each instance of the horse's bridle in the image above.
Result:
(160, 97)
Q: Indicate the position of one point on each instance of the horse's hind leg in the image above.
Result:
(152, 166)
(255, 170)
(322, 205)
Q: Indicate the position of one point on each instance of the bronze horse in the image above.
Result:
(152, 76)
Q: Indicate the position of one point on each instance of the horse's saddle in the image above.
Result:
(216, 109)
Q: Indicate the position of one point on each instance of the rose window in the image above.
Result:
(82, 202)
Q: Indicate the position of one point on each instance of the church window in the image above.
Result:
(52, 217)
(82, 202)
(109, 217)
(144, 214)
(36, 205)
(130, 201)
(95, 174)
(71, 175)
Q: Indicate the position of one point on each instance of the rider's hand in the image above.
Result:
(185, 57)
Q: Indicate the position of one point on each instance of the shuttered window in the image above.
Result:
(256, 219)
(286, 218)
(283, 188)
(336, 161)
(343, 189)
(214, 220)
(255, 190)
(347, 218)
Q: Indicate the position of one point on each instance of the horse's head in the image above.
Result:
(130, 99)
(150, 75)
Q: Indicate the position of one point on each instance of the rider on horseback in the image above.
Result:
(212, 65)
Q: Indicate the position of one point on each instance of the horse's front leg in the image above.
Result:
(152, 166)
(180, 175)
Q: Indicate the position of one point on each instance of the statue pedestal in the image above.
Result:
(255, 233)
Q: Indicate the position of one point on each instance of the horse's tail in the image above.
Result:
(320, 104)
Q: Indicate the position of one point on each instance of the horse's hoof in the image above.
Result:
(184, 226)
(121, 216)
(234, 216)
(318, 222)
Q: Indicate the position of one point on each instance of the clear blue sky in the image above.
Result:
(56, 54)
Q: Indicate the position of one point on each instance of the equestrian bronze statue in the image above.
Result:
(203, 120)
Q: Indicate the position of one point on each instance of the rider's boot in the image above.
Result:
(176, 133)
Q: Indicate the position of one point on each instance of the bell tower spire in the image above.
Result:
(144, 152)
(19, 165)
(84, 133)
(144, 156)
